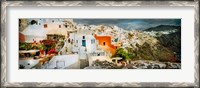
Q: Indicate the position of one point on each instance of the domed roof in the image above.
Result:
(36, 30)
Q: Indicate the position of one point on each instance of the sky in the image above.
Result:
(130, 24)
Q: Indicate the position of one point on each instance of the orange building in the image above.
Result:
(105, 42)
(21, 37)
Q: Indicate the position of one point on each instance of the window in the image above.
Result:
(83, 37)
(54, 37)
(68, 40)
(65, 26)
(45, 25)
(104, 43)
(103, 53)
(92, 41)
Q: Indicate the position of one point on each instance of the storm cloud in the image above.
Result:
(130, 24)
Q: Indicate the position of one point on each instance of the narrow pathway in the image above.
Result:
(67, 46)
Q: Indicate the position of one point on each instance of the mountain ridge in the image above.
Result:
(163, 28)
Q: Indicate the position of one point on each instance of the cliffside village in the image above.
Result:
(76, 45)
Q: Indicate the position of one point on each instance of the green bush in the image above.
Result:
(25, 46)
(126, 56)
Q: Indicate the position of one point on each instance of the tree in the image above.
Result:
(126, 56)
(25, 46)
(33, 22)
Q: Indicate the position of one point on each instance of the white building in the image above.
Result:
(81, 43)
(28, 64)
(34, 33)
(97, 55)
(64, 62)
(56, 25)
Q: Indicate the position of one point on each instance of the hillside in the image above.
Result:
(147, 47)
(171, 41)
(163, 28)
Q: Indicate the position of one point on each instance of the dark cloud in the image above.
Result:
(130, 23)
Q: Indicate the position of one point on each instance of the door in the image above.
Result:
(83, 43)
